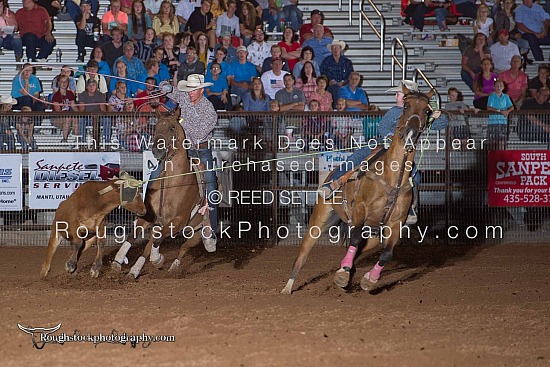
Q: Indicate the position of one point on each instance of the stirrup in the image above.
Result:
(327, 189)
(412, 218)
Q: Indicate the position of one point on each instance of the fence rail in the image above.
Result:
(274, 163)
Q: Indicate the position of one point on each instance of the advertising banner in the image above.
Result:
(11, 185)
(54, 176)
(519, 178)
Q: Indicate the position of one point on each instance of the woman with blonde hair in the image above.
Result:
(166, 22)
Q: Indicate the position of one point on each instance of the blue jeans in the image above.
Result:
(292, 14)
(534, 44)
(467, 79)
(11, 43)
(206, 158)
(28, 101)
(105, 123)
(32, 42)
(82, 41)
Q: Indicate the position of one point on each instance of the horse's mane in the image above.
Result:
(417, 94)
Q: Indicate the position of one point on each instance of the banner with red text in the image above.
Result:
(54, 176)
(519, 178)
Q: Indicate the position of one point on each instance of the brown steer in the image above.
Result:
(80, 218)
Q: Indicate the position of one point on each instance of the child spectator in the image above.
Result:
(7, 140)
(342, 128)
(499, 102)
(314, 128)
(25, 131)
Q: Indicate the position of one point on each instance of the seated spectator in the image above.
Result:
(290, 98)
(318, 43)
(151, 91)
(52, 7)
(220, 59)
(417, 9)
(484, 23)
(132, 132)
(499, 102)
(241, 73)
(273, 79)
(218, 92)
(341, 126)
(118, 98)
(256, 99)
(228, 21)
(337, 68)
(306, 30)
(249, 22)
(202, 20)
(505, 20)
(258, 50)
(502, 51)
(170, 54)
(218, 7)
(26, 89)
(165, 22)
(113, 49)
(134, 66)
(35, 28)
(466, 8)
(231, 51)
(356, 98)
(87, 29)
(458, 124)
(25, 131)
(307, 82)
(183, 40)
(536, 126)
(65, 100)
(145, 47)
(114, 18)
(307, 54)
(91, 73)
(192, 65)
(205, 54)
(471, 59)
(153, 67)
(153, 7)
(484, 84)
(184, 10)
(289, 11)
(8, 41)
(121, 72)
(138, 23)
(126, 6)
(68, 72)
(103, 66)
(541, 80)
(322, 95)
(532, 22)
(73, 8)
(456, 101)
(515, 81)
(290, 48)
(91, 100)
(7, 140)
(276, 53)
(164, 71)
(314, 128)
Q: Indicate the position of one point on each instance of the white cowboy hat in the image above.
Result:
(336, 42)
(8, 100)
(412, 86)
(193, 82)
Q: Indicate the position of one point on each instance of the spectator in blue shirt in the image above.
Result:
(356, 98)
(337, 68)
(26, 89)
(218, 92)
(134, 66)
(532, 21)
(241, 73)
(319, 43)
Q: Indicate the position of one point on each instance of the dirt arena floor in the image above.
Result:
(454, 305)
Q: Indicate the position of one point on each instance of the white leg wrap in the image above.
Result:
(155, 254)
(288, 288)
(175, 265)
(136, 269)
(120, 256)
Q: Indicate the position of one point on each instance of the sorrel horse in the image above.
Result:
(80, 219)
(375, 199)
(173, 200)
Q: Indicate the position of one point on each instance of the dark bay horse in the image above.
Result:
(173, 201)
(376, 199)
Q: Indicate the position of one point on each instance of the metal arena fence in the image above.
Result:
(273, 163)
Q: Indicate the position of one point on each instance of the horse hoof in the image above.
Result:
(70, 267)
(175, 265)
(131, 276)
(94, 273)
(209, 244)
(160, 261)
(341, 278)
(116, 266)
(286, 290)
(367, 283)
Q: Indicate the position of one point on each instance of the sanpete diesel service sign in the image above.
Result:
(11, 188)
(53, 177)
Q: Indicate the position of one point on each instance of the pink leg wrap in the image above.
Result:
(375, 272)
(347, 261)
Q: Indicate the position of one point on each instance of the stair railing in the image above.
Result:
(381, 34)
(418, 73)
(350, 8)
(395, 59)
